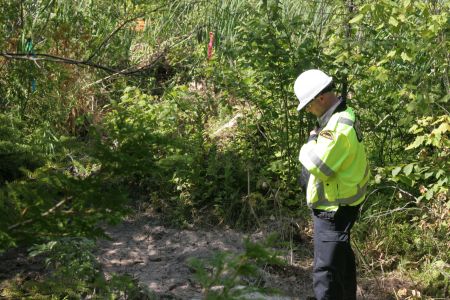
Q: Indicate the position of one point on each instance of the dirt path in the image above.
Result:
(157, 256)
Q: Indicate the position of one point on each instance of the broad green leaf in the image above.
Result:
(417, 142)
(439, 173)
(381, 62)
(393, 21)
(428, 175)
(396, 171)
(382, 76)
(442, 181)
(406, 180)
(415, 129)
(405, 57)
(356, 19)
(411, 106)
(408, 169)
(444, 127)
(365, 8)
(392, 53)
(433, 139)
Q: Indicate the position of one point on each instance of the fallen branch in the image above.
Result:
(149, 65)
(389, 212)
(54, 58)
(395, 188)
(44, 214)
(125, 71)
(130, 71)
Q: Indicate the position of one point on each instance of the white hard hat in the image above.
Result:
(309, 84)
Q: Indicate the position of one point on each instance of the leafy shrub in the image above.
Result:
(221, 276)
(63, 197)
(434, 275)
(53, 204)
(139, 141)
(73, 272)
(411, 224)
(164, 152)
(16, 151)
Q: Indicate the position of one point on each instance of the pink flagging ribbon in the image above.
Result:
(210, 45)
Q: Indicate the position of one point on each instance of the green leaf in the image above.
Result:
(378, 178)
(365, 8)
(443, 128)
(356, 19)
(415, 129)
(391, 53)
(439, 173)
(405, 57)
(417, 142)
(408, 169)
(411, 106)
(428, 175)
(406, 180)
(393, 21)
(396, 171)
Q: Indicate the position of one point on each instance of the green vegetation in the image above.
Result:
(73, 273)
(104, 106)
(228, 276)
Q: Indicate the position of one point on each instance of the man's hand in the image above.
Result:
(315, 131)
(313, 134)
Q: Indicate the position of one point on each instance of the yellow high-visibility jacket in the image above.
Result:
(338, 164)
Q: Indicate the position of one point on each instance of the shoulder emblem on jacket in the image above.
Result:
(328, 134)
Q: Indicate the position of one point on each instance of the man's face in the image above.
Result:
(315, 107)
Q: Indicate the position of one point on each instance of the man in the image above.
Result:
(335, 175)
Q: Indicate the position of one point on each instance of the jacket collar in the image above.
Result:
(340, 105)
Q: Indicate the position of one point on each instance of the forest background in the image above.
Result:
(108, 105)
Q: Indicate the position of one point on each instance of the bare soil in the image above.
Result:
(156, 255)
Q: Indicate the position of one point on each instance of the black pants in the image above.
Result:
(334, 270)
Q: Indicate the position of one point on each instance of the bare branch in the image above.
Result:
(133, 70)
(128, 71)
(389, 212)
(53, 58)
(443, 108)
(391, 187)
(379, 123)
(44, 214)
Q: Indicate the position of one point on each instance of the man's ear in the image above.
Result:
(324, 98)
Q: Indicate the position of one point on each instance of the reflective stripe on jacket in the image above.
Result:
(338, 164)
